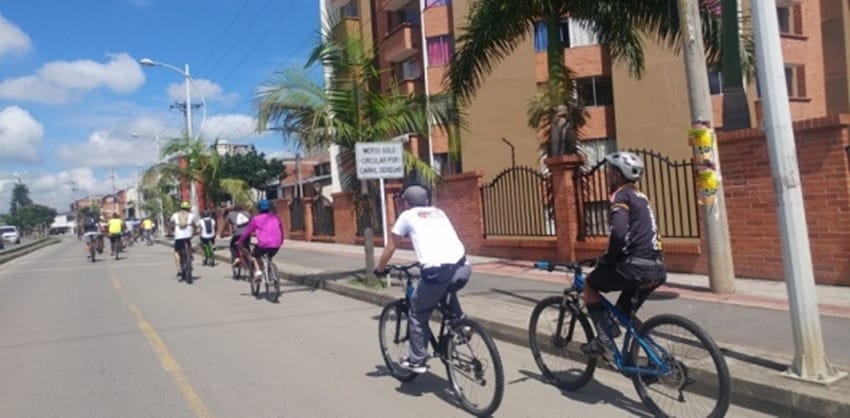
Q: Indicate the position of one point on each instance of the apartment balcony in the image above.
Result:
(346, 28)
(401, 43)
(787, 3)
(409, 86)
(583, 61)
(393, 5)
(600, 122)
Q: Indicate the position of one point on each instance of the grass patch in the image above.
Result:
(362, 281)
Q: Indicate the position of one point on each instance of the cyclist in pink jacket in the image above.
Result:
(269, 233)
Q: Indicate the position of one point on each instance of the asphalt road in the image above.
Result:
(125, 339)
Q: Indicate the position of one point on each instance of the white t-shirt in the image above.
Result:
(434, 238)
(183, 233)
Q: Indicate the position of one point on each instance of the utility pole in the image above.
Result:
(810, 362)
(721, 271)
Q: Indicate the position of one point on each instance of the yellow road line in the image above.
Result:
(168, 361)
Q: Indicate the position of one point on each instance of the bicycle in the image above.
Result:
(456, 345)
(148, 237)
(207, 248)
(244, 260)
(115, 245)
(186, 263)
(268, 277)
(649, 354)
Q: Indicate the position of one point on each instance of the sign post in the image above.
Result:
(380, 160)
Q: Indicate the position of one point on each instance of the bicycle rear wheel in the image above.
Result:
(187, 266)
(697, 384)
(255, 281)
(91, 250)
(273, 284)
(475, 368)
(393, 339)
(555, 335)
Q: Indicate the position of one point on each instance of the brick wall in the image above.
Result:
(751, 204)
(345, 225)
(460, 198)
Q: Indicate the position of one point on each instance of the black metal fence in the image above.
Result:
(373, 206)
(323, 217)
(668, 184)
(296, 214)
(518, 202)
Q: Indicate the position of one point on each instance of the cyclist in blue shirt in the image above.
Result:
(634, 262)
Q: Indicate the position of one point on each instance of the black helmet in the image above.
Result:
(416, 195)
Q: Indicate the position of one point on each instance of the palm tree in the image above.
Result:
(350, 109)
(496, 27)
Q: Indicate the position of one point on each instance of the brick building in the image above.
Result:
(416, 39)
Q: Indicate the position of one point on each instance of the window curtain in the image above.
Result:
(540, 40)
(439, 50)
(433, 3)
(581, 34)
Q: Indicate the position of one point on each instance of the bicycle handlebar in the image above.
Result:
(403, 268)
(573, 267)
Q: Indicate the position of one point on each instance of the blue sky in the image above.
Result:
(75, 102)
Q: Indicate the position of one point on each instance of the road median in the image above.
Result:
(24, 249)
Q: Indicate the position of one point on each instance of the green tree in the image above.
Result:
(495, 28)
(33, 215)
(20, 198)
(253, 168)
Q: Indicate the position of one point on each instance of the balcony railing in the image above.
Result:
(401, 43)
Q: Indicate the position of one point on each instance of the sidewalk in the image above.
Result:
(752, 326)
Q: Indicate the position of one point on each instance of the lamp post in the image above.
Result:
(188, 110)
(161, 221)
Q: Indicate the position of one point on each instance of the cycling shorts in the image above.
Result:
(180, 244)
(259, 252)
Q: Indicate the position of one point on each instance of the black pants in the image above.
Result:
(633, 280)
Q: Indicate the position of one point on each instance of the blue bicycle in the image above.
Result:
(674, 364)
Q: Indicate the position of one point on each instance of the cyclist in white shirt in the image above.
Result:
(184, 222)
(207, 226)
(442, 258)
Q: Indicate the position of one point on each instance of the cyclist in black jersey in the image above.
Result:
(634, 262)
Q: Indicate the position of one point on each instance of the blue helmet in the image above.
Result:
(263, 205)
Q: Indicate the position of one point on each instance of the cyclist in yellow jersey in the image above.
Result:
(115, 227)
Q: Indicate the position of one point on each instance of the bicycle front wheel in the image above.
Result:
(555, 335)
(394, 339)
(697, 382)
(256, 281)
(475, 368)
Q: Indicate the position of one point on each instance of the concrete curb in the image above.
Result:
(760, 387)
(27, 249)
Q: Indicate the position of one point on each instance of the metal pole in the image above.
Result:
(384, 218)
(721, 271)
(810, 362)
(422, 6)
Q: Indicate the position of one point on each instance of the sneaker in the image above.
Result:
(594, 348)
(415, 367)
(236, 262)
(258, 274)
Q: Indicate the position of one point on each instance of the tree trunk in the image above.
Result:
(368, 235)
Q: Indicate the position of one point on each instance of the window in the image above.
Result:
(573, 33)
(715, 81)
(408, 70)
(595, 91)
(784, 16)
(440, 50)
(349, 10)
(595, 149)
(795, 80)
(435, 3)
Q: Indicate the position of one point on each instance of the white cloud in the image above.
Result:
(56, 189)
(62, 81)
(20, 136)
(107, 149)
(231, 127)
(200, 87)
(12, 38)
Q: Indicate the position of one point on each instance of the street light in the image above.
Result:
(188, 110)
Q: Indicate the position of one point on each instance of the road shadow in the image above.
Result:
(596, 393)
(424, 384)
(317, 280)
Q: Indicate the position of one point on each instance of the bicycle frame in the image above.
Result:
(437, 342)
(648, 346)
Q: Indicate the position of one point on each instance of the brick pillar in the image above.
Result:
(391, 189)
(563, 169)
(308, 217)
(281, 207)
(344, 225)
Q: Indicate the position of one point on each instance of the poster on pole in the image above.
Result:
(379, 160)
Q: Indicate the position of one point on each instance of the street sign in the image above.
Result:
(379, 160)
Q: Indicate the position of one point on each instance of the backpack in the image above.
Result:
(208, 226)
(89, 223)
(183, 220)
(241, 219)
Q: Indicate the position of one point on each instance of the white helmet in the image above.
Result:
(629, 164)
